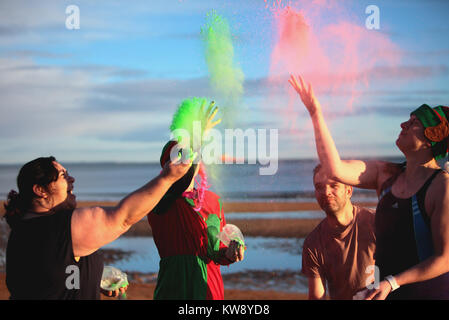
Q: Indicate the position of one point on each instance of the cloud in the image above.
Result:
(34, 54)
(64, 109)
(41, 100)
(408, 72)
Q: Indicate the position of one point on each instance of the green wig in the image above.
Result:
(189, 120)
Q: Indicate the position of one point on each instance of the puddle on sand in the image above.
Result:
(269, 264)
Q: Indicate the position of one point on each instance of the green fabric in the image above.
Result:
(213, 242)
(427, 116)
(190, 201)
(213, 229)
(181, 277)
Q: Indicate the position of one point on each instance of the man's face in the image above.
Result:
(331, 195)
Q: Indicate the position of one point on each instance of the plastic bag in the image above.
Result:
(231, 232)
(114, 279)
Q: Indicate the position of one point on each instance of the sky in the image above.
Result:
(106, 92)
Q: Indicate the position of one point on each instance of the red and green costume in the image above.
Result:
(190, 252)
(185, 225)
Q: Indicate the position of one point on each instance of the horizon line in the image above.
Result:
(385, 157)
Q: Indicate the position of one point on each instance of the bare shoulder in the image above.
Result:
(439, 188)
(437, 196)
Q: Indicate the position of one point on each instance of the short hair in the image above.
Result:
(317, 168)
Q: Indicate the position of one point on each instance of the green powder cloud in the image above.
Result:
(226, 78)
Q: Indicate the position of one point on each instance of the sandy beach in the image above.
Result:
(284, 228)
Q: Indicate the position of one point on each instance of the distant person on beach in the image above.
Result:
(338, 253)
(185, 225)
(52, 248)
(412, 216)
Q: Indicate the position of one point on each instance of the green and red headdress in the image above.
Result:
(190, 118)
(436, 127)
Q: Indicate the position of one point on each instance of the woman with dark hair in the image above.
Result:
(52, 247)
(186, 223)
(412, 216)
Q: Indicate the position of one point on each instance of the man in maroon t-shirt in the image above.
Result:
(339, 251)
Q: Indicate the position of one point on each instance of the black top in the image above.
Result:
(396, 249)
(40, 263)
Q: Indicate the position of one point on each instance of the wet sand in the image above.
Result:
(272, 206)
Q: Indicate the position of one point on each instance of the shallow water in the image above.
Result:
(262, 254)
(269, 264)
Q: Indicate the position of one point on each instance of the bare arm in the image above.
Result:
(362, 174)
(94, 227)
(317, 290)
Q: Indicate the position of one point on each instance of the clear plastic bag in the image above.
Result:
(113, 279)
(231, 232)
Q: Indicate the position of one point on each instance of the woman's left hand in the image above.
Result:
(235, 251)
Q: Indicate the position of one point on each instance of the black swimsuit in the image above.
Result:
(404, 239)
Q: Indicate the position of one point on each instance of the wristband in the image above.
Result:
(394, 285)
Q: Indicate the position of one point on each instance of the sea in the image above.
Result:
(233, 182)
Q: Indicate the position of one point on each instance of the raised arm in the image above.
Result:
(94, 227)
(358, 173)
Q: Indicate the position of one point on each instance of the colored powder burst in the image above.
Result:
(326, 43)
(226, 78)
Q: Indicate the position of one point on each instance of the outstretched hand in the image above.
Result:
(306, 93)
(209, 115)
